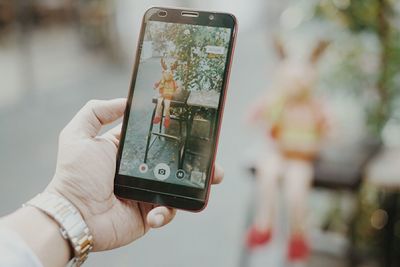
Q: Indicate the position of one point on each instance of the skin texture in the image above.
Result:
(85, 175)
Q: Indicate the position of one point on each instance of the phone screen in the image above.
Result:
(170, 133)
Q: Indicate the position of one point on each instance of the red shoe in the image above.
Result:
(299, 249)
(156, 119)
(167, 121)
(256, 238)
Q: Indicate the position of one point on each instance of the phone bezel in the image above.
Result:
(152, 191)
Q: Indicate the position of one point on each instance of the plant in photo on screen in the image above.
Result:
(166, 87)
(198, 68)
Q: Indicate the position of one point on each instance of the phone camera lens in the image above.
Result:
(162, 13)
(211, 17)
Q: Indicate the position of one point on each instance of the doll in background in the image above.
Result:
(296, 127)
(166, 87)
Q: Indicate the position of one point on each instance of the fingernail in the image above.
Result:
(158, 220)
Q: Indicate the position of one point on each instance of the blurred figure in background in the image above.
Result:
(296, 126)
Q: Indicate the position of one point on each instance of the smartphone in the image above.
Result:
(172, 121)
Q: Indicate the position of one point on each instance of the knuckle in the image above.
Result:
(91, 103)
(62, 134)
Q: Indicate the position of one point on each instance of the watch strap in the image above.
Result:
(72, 226)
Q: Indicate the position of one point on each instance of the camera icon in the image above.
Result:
(162, 171)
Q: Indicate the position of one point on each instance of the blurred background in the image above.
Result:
(55, 55)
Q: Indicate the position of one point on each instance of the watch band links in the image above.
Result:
(72, 226)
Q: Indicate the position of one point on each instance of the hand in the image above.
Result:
(85, 176)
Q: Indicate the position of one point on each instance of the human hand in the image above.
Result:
(85, 176)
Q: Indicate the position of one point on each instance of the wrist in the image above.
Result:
(62, 190)
(71, 224)
(41, 233)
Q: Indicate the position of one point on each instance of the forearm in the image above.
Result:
(41, 234)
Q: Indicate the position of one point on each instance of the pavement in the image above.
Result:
(34, 109)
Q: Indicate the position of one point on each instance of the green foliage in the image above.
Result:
(376, 17)
(197, 69)
(364, 234)
(355, 14)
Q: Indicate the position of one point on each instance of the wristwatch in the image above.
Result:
(72, 226)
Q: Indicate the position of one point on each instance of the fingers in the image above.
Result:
(160, 216)
(96, 113)
(116, 131)
(113, 134)
(218, 174)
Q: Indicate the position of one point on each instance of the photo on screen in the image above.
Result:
(171, 127)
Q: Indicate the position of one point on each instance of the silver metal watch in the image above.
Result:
(72, 226)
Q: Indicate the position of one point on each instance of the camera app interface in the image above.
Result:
(172, 121)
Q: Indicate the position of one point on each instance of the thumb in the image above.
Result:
(96, 113)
